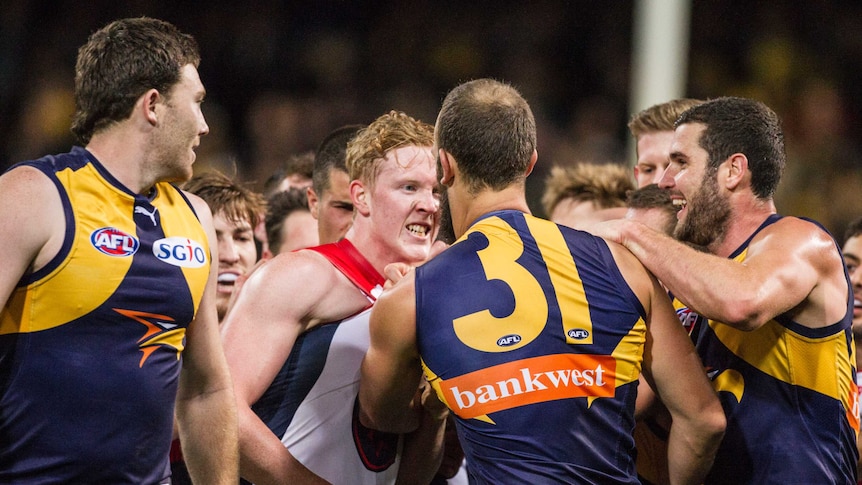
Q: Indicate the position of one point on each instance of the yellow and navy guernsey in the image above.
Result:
(789, 395)
(90, 345)
(531, 336)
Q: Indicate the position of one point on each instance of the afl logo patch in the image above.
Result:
(114, 242)
(578, 333)
(508, 340)
(180, 251)
(687, 317)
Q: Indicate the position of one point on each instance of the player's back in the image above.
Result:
(532, 337)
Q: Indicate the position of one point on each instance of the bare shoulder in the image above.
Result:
(26, 193)
(305, 267)
(639, 279)
(794, 238)
(202, 209)
(634, 272)
(309, 280)
(22, 183)
(32, 220)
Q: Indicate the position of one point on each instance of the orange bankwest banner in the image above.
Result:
(529, 381)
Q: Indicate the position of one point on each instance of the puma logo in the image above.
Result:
(151, 215)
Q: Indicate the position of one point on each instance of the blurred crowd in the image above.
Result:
(280, 75)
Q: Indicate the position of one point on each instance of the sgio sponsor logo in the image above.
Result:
(114, 242)
(180, 251)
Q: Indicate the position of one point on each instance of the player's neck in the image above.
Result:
(116, 151)
(467, 208)
(377, 254)
(744, 220)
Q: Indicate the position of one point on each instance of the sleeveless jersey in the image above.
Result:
(789, 395)
(90, 344)
(312, 404)
(531, 336)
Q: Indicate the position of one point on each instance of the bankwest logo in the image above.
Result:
(529, 381)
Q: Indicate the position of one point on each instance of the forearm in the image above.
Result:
(264, 458)
(208, 434)
(385, 400)
(715, 287)
(691, 451)
(423, 450)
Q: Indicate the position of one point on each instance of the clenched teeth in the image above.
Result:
(227, 278)
(417, 229)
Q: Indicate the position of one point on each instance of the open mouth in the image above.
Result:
(420, 230)
(227, 278)
(679, 203)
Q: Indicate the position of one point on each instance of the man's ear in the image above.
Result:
(313, 201)
(446, 165)
(147, 105)
(532, 164)
(737, 169)
(359, 194)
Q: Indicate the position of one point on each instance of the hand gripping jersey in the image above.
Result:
(789, 395)
(312, 403)
(90, 345)
(531, 336)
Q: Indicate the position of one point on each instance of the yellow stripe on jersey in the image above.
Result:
(71, 291)
(180, 224)
(67, 301)
(572, 299)
(793, 358)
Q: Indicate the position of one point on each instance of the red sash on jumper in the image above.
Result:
(344, 256)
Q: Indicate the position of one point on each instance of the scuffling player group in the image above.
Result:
(391, 312)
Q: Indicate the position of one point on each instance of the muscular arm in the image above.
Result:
(674, 369)
(281, 299)
(206, 411)
(390, 370)
(789, 265)
(698, 420)
(31, 225)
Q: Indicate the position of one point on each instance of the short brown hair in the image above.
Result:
(301, 164)
(389, 132)
(489, 128)
(119, 63)
(853, 229)
(606, 184)
(652, 197)
(222, 194)
(279, 205)
(742, 125)
(660, 117)
(331, 155)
